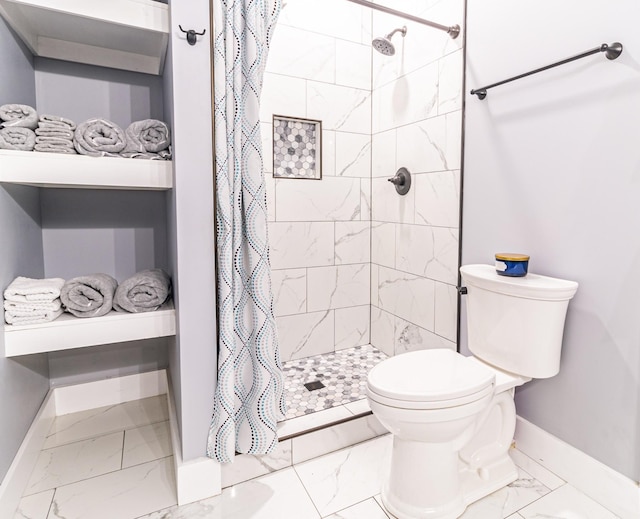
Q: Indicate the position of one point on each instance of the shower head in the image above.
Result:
(383, 44)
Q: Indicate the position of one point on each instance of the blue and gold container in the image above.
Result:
(509, 264)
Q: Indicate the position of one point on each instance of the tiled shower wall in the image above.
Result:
(416, 123)
(354, 262)
(319, 67)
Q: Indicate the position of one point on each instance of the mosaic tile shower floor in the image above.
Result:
(343, 374)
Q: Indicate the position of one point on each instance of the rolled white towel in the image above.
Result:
(28, 290)
(15, 115)
(147, 139)
(22, 139)
(31, 313)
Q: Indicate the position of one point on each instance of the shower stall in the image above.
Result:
(360, 272)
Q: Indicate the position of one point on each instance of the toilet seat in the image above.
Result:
(429, 379)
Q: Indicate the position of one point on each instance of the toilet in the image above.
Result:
(453, 417)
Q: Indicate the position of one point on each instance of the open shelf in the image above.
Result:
(68, 332)
(122, 34)
(34, 168)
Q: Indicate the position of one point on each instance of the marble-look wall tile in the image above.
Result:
(427, 251)
(438, 198)
(352, 327)
(353, 242)
(409, 337)
(305, 335)
(328, 165)
(299, 53)
(338, 287)
(382, 330)
(365, 199)
(423, 146)
(249, 466)
(412, 97)
(450, 83)
(282, 95)
(454, 139)
(339, 108)
(301, 244)
(374, 284)
(330, 17)
(35, 506)
(446, 311)
(383, 154)
(289, 288)
(353, 64)
(270, 187)
(383, 244)
(353, 155)
(407, 296)
(388, 205)
(329, 199)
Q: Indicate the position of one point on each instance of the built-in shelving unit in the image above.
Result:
(68, 332)
(79, 171)
(123, 34)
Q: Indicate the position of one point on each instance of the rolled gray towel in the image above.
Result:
(55, 121)
(55, 132)
(17, 138)
(147, 139)
(99, 138)
(89, 296)
(20, 116)
(145, 291)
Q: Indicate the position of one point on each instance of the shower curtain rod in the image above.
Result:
(611, 52)
(453, 31)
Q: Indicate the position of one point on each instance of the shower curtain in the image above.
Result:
(249, 396)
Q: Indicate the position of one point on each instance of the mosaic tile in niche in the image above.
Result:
(296, 148)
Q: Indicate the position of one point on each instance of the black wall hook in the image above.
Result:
(191, 35)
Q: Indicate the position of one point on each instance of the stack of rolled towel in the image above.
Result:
(55, 134)
(147, 139)
(17, 123)
(32, 301)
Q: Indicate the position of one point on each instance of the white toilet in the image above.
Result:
(453, 417)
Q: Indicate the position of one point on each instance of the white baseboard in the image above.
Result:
(195, 479)
(611, 489)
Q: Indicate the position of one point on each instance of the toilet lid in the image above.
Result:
(429, 376)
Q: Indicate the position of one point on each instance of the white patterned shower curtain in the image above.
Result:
(249, 392)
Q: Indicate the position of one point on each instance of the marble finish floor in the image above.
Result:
(116, 463)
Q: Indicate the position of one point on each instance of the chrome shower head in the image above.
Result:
(383, 44)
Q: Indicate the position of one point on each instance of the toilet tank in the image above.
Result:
(516, 323)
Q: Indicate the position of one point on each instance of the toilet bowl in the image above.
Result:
(453, 417)
(433, 402)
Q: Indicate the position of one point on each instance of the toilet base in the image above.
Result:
(474, 485)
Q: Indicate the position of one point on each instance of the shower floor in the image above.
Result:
(332, 379)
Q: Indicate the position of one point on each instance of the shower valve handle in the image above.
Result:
(402, 181)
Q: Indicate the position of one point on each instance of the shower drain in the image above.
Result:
(312, 386)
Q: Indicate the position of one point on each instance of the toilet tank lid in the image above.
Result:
(531, 286)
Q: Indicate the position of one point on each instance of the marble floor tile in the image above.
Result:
(276, 496)
(359, 406)
(566, 502)
(147, 443)
(543, 475)
(515, 516)
(35, 506)
(523, 491)
(94, 422)
(75, 461)
(125, 494)
(249, 466)
(343, 478)
(369, 509)
(309, 421)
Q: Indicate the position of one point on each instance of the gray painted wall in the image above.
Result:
(552, 169)
(23, 381)
(193, 362)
